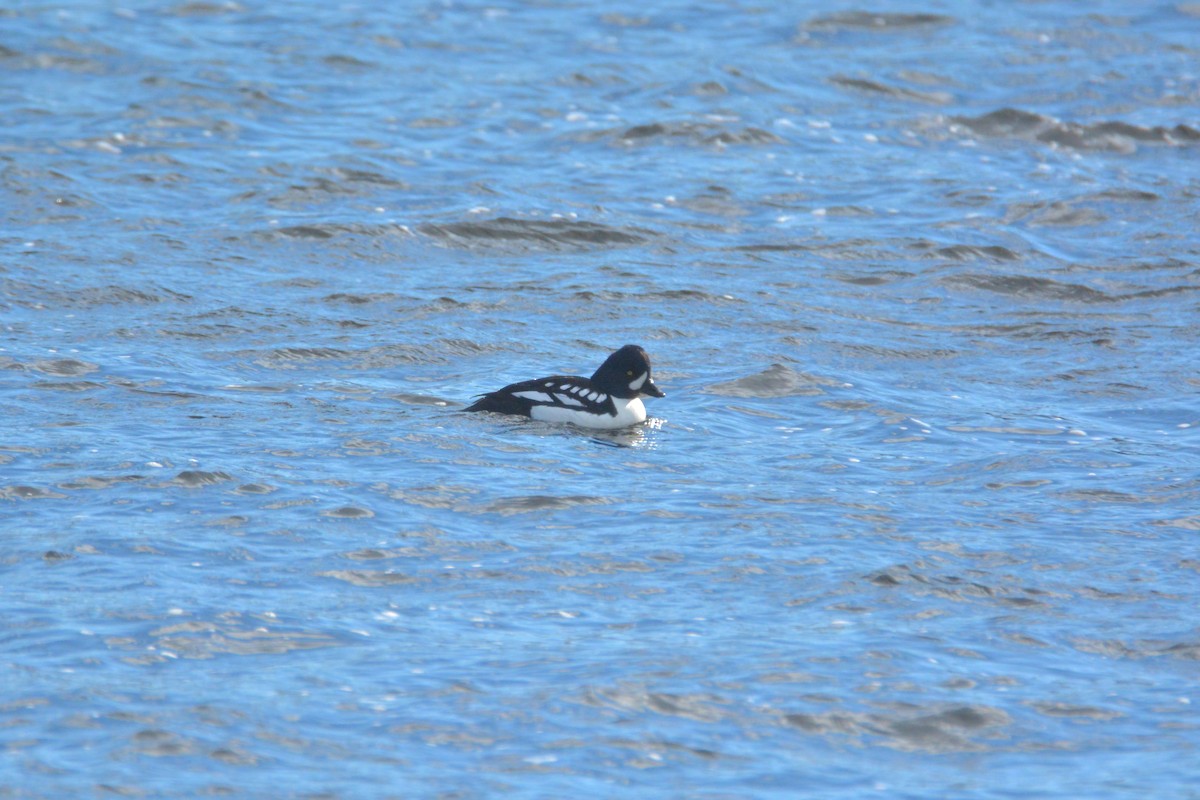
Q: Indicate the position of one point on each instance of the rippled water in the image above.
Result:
(917, 518)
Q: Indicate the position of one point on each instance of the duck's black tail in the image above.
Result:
(501, 403)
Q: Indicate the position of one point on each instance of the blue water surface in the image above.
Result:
(917, 517)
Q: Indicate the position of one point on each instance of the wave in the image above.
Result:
(703, 134)
(1106, 136)
(1047, 289)
(534, 234)
(877, 21)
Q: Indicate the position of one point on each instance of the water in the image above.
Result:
(917, 517)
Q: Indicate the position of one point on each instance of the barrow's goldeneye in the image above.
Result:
(611, 398)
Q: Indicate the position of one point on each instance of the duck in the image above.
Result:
(610, 399)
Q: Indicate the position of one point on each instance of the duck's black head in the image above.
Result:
(626, 373)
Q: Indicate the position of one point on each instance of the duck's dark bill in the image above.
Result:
(651, 389)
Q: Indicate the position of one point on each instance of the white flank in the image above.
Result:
(537, 397)
(629, 412)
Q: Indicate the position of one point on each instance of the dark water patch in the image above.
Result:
(100, 481)
(690, 134)
(1188, 523)
(897, 354)
(19, 492)
(232, 636)
(371, 578)
(470, 347)
(347, 63)
(452, 306)
(440, 496)
(434, 123)
(306, 232)
(250, 318)
(256, 488)
(878, 88)
(967, 252)
(886, 250)
(710, 89)
(1101, 336)
(922, 582)
(714, 201)
(259, 388)
(296, 283)
(1064, 213)
(284, 357)
(952, 729)
(606, 567)
(391, 355)
(1072, 711)
(360, 299)
(1107, 497)
(341, 182)
(876, 278)
(95, 296)
(778, 380)
(435, 549)
(1122, 195)
(846, 211)
(1138, 649)
(701, 706)
(359, 446)
(538, 502)
(1028, 286)
(349, 512)
(331, 230)
(231, 521)
(199, 8)
(1007, 430)
(531, 234)
(158, 743)
(204, 332)
(195, 479)
(877, 21)
(670, 295)
(696, 133)
(1024, 286)
(64, 366)
(1112, 136)
(68, 386)
(152, 389)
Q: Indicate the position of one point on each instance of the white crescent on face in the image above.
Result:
(637, 383)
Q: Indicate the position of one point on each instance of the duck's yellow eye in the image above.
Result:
(628, 373)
